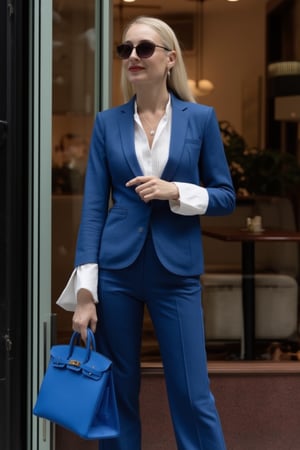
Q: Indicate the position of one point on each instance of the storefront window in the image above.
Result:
(74, 62)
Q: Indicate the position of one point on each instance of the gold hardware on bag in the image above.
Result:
(74, 362)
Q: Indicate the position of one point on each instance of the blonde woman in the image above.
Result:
(161, 157)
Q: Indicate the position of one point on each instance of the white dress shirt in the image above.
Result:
(193, 200)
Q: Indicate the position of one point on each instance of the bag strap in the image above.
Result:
(90, 343)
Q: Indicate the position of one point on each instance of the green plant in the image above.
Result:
(259, 171)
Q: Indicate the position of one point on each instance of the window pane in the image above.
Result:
(72, 120)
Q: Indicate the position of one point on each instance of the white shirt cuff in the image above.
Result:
(193, 200)
(82, 277)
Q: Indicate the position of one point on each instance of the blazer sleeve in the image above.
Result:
(214, 170)
(96, 198)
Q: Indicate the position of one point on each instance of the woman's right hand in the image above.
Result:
(85, 314)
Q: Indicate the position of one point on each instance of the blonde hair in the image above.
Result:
(177, 81)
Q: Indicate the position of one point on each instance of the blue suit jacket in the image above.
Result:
(114, 237)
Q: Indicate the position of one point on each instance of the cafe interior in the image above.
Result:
(242, 58)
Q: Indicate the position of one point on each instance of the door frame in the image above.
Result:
(41, 434)
(39, 220)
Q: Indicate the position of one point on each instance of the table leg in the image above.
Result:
(248, 296)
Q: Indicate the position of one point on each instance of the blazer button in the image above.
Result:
(140, 229)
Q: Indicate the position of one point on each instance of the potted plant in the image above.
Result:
(255, 171)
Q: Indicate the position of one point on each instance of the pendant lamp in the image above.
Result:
(200, 86)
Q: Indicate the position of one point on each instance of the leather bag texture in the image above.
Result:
(77, 391)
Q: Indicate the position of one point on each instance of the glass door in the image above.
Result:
(81, 65)
(68, 39)
(73, 105)
(81, 53)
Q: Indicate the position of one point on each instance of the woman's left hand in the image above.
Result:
(153, 188)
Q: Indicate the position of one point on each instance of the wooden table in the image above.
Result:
(248, 240)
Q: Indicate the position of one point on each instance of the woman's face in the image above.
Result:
(146, 71)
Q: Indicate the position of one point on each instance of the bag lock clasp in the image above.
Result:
(74, 362)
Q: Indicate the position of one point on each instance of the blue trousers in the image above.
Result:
(174, 304)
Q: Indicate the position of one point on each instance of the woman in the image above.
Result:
(161, 158)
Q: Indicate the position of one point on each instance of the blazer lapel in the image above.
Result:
(126, 123)
(178, 132)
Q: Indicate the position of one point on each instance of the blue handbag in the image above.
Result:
(77, 391)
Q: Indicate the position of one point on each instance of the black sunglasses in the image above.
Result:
(143, 49)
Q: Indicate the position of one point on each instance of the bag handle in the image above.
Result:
(90, 343)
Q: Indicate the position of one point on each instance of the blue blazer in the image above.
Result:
(113, 237)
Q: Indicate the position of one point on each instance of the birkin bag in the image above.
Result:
(77, 391)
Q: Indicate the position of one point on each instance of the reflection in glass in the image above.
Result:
(69, 164)
(72, 120)
(73, 92)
